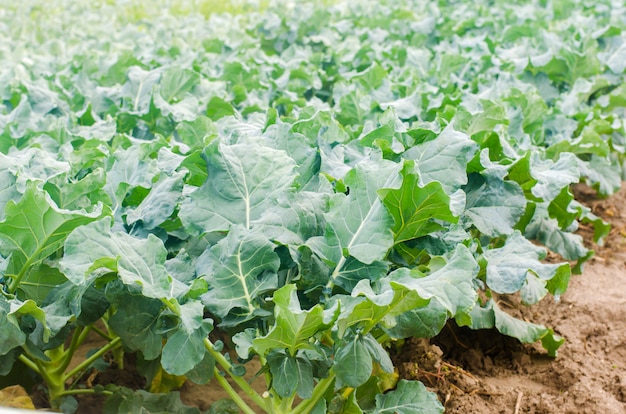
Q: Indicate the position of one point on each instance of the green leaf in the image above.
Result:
(177, 82)
(378, 353)
(8, 190)
(409, 397)
(493, 114)
(35, 228)
(366, 308)
(417, 210)
(136, 321)
(76, 195)
(293, 327)
(353, 362)
(219, 108)
(508, 266)
(443, 159)
(494, 206)
(203, 371)
(130, 169)
(160, 203)
(137, 90)
(551, 176)
(184, 348)
(425, 322)
(245, 181)
(95, 249)
(13, 336)
(604, 174)
(284, 371)
(40, 281)
(451, 284)
(359, 221)
(239, 269)
(196, 132)
(546, 230)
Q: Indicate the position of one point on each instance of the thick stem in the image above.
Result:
(226, 366)
(286, 403)
(55, 384)
(231, 392)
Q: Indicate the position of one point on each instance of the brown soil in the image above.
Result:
(485, 372)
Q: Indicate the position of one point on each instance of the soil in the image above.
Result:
(485, 372)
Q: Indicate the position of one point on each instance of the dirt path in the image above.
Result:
(482, 372)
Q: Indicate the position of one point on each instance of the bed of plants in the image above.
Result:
(319, 181)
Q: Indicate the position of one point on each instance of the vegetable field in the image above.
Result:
(295, 188)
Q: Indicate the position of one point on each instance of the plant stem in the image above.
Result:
(87, 362)
(331, 281)
(84, 391)
(29, 363)
(320, 389)
(101, 333)
(231, 392)
(226, 366)
(15, 282)
(286, 403)
(77, 337)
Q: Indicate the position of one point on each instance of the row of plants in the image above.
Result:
(318, 181)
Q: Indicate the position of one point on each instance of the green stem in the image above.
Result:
(101, 333)
(29, 363)
(55, 384)
(320, 389)
(78, 337)
(84, 391)
(15, 282)
(231, 392)
(286, 403)
(87, 362)
(331, 281)
(226, 366)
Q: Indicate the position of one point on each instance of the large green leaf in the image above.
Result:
(12, 334)
(293, 326)
(508, 266)
(358, 222)
(443, 159)
(160, 203)
(366, 308)
(34, 229)
(353, 362)
(136, 321)
(95, 249)
(239, 269)
(451, 284)
(244, 181)
(185, 346)
(494, 206)
(417, 210)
